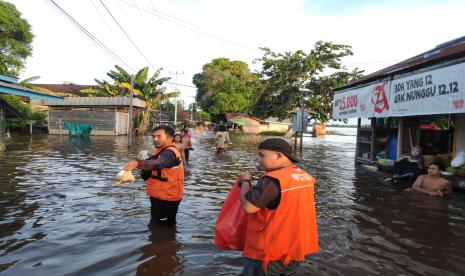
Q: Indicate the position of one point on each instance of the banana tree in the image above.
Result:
(105, 89)
(152, 92)
(115, 89)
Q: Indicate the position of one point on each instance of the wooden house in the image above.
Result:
(107, 115)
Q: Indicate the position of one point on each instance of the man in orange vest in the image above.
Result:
(281, 225)
(163, 173)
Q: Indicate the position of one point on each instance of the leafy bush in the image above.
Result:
(24, 109)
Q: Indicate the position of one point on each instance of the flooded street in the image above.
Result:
(62, 214)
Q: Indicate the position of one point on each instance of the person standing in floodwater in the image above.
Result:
(281, 222)
(165, 178)
(222, 140)
(186, 139)
(181, 147)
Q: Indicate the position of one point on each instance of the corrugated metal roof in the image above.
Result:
(446, 51)
(96, 101)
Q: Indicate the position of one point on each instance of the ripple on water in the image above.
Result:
(60, 213)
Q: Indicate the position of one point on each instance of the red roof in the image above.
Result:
(447, 51)
(230, 115)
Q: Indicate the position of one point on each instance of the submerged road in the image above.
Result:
(61, 213)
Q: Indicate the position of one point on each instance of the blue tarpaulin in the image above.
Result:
(76, 129)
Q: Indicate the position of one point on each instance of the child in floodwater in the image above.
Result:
(180, 146)
(222, 140)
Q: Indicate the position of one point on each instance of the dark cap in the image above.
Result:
(278, 145)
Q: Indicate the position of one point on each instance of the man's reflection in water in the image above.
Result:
(160, 255)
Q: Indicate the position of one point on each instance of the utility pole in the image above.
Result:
(193, 105)
(130, 112)
(176, 73)
(304, 92)
(302, 110)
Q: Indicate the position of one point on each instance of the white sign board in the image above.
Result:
(439, 91)
(365, 102)
(297, 121)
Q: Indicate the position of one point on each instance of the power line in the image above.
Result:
(108, 27)
(90, 35)
(127, 35)
(189, 26)
(185, 85)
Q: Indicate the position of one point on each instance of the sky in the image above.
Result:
(182, 35)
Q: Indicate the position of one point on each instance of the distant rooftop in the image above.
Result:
(70, 88)
(96, 102)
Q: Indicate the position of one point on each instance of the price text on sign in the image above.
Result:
(348, 102)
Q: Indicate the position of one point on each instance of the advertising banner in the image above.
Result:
(364, 102)
(439, 91)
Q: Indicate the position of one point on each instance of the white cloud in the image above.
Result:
(379, 36)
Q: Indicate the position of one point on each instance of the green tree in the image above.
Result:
(15, 40)
(284, 75)
(320, 99)
(225, 86)
(202, 116)
(24, 109)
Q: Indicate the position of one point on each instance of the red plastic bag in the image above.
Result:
(232, 222)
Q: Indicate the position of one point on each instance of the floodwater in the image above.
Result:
(61, 214)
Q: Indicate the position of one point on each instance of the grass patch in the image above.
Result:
(272, 133)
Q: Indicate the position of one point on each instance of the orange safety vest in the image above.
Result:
(167, 183)
(289, 232)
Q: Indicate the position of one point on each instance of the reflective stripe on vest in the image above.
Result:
(289, 232)
(167, 183)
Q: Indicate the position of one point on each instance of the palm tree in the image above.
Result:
(151, 90)
(27, 82)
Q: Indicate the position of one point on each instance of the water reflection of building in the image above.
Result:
(16, 209)
(160, 255)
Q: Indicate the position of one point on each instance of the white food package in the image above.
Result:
(125, 176)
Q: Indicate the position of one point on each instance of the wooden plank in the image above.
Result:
(102, 120)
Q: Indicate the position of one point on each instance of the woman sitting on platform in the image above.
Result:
(408, 167)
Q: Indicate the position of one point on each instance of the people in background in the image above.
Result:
(222, 140)
(186, 139)
(181, 147)
(408, 167)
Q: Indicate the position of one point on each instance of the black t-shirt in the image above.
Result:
(166, 159)
(266, 194)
